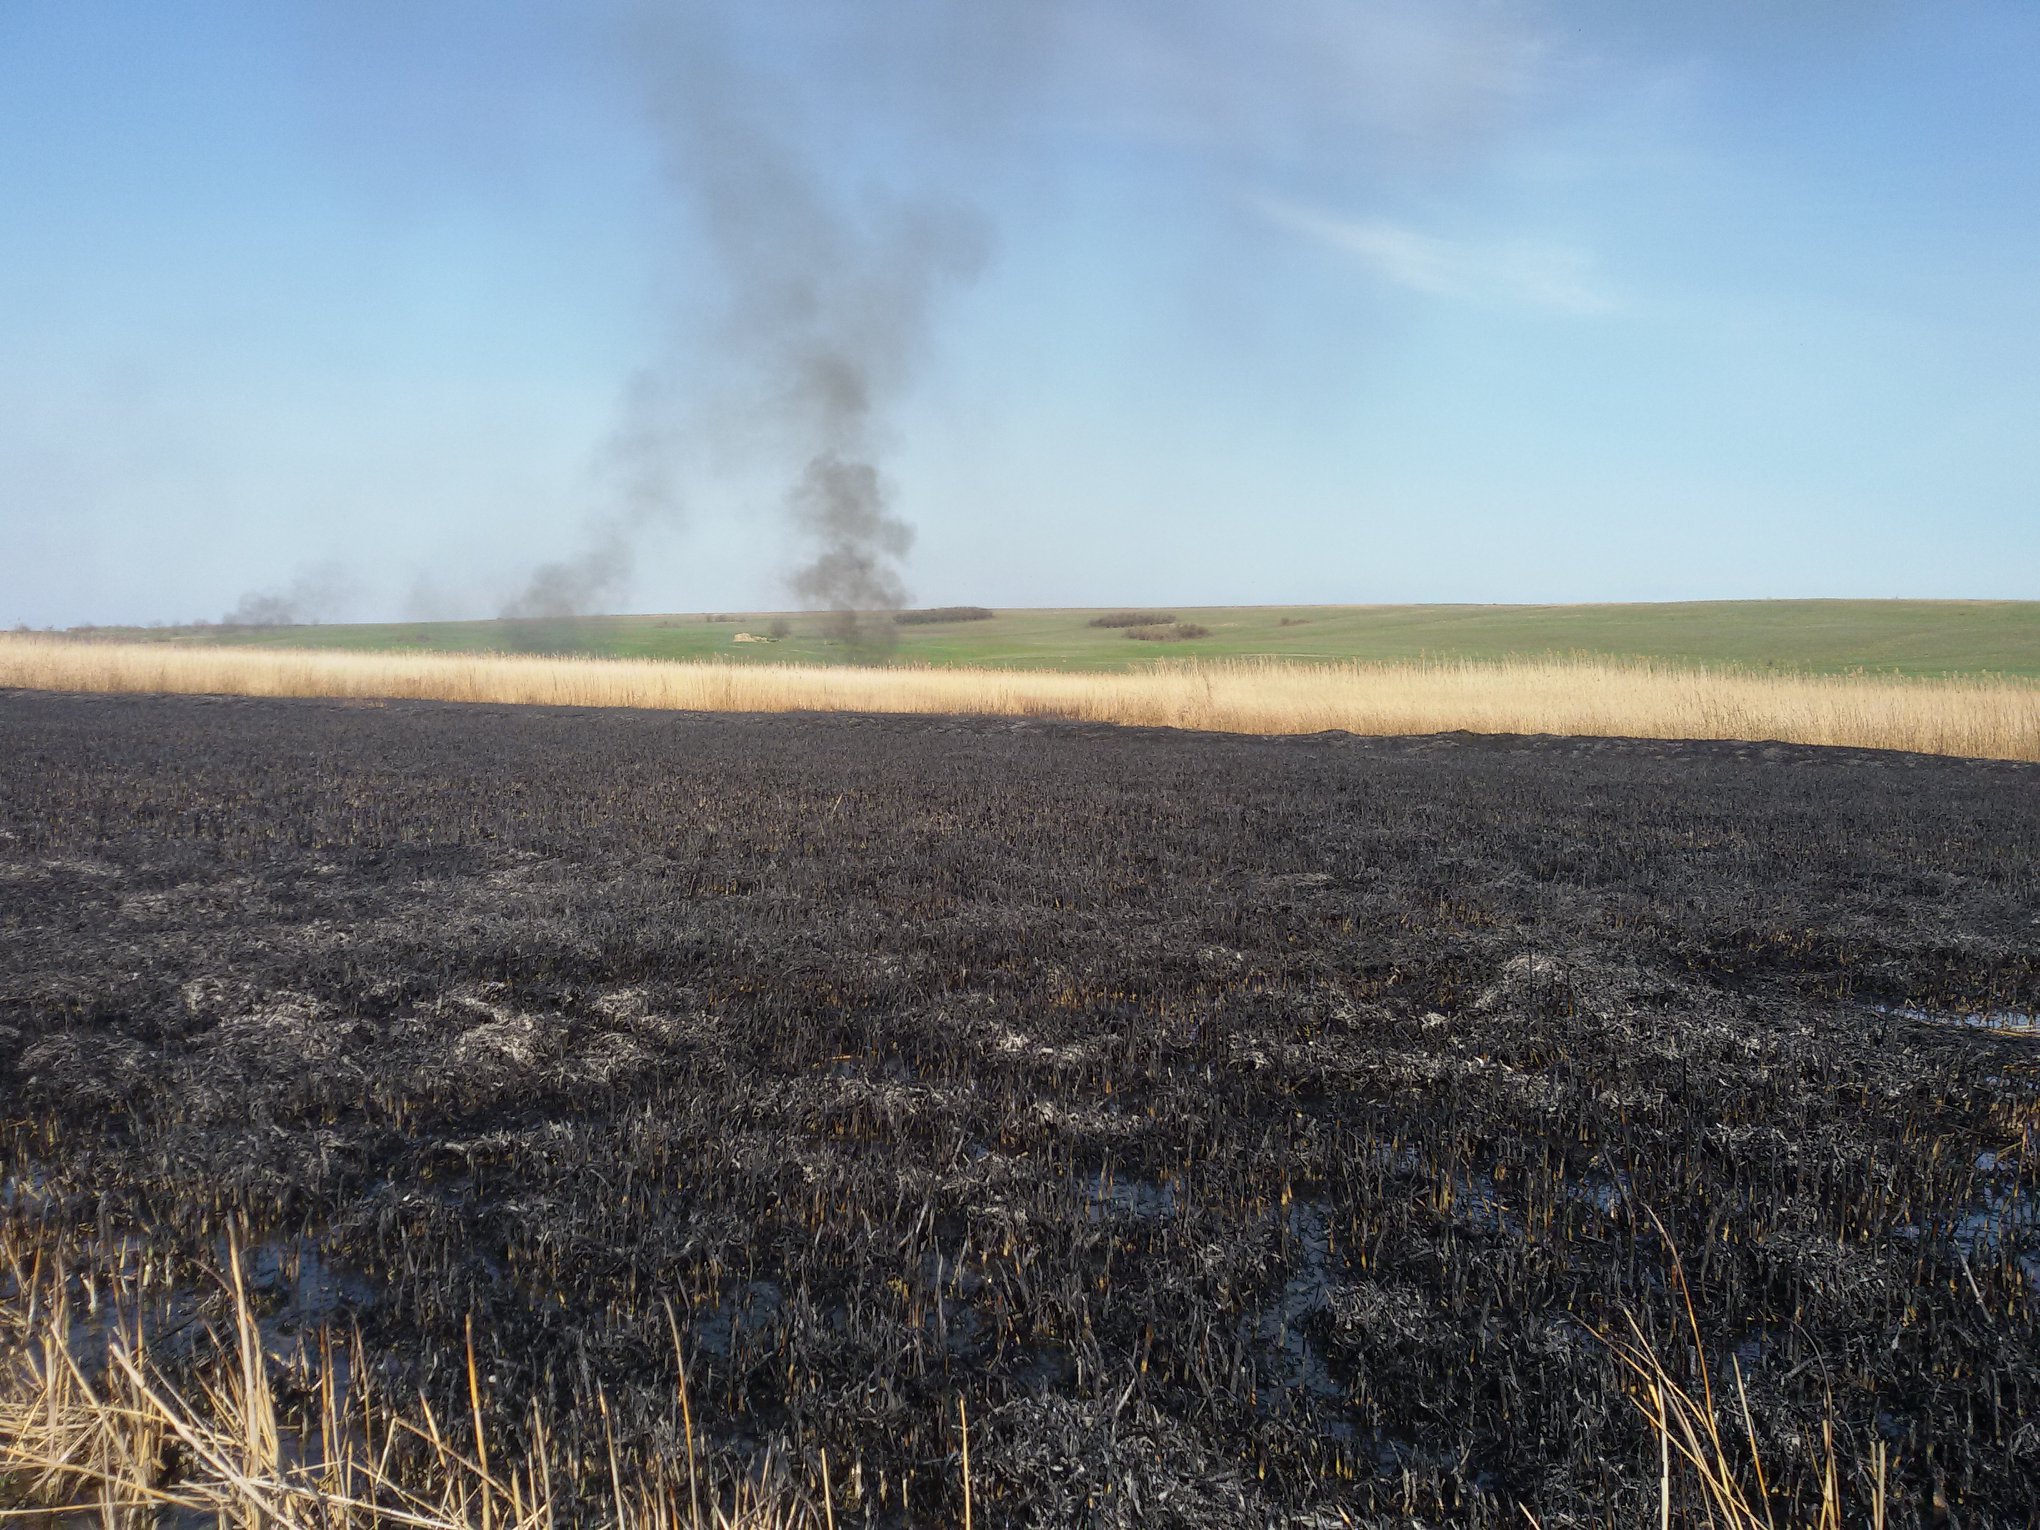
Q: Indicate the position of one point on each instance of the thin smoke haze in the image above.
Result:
(581, 584)
(824, 284)
(636, 469)
(321, 592)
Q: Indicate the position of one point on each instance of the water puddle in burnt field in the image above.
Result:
(297, 1287)
(743, 1306)
(301, 1304)
(2000, 1225)
(1276, 1336)
(1106, 1193)
(2015, 1022)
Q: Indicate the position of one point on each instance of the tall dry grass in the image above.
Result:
(1979, 718)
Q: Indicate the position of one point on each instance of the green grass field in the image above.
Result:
(1913, 637)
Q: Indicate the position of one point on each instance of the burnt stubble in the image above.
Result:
(1244, 1130)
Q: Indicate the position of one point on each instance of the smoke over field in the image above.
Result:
(316, 594)
(581, 584)
(826, 293)
(1234, 1131)
(796, 202)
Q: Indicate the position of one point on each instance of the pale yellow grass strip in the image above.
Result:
(1980, 718)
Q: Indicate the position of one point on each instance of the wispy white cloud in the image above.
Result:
(1401, 82)
(1516, 272)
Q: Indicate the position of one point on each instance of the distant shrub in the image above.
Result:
(1133, 619)
(1180, 632)
(1292, 621)
(943, 614)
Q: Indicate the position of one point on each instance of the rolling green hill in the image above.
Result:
(1916, 637)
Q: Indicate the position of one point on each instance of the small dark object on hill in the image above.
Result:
(1133, 618)
(936, 614)
(1180, 632)
(1292, 621)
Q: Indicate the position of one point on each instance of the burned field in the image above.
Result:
(1243, 1131)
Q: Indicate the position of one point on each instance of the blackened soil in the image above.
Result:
(1247, 1131)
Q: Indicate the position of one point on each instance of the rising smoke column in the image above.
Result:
(824, 302)
(828, 298)
(834, 334)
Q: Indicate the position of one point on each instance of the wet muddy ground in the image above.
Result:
(1246, 1131)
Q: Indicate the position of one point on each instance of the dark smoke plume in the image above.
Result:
(317, 594)
(840, 506)
(830, 308)
(824, 301)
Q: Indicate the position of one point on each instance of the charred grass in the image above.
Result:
(1235, 1131)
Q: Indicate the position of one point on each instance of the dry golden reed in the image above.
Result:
(1980, 718)
(103, 1435)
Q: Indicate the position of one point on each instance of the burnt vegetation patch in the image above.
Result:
(1244, 1131)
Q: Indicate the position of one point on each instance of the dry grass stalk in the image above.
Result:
(1733, 1492)
(120, 1443)
(963, 1425)
(1976, 718)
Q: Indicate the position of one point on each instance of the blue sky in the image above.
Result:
(1328, 301)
